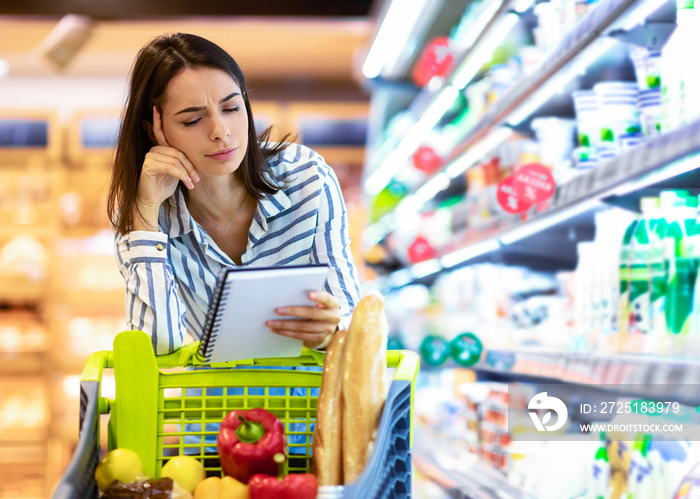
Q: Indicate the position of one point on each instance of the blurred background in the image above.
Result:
(432, 114)
(62, 82)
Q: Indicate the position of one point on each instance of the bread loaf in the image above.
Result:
(327, 440)
(364, 388)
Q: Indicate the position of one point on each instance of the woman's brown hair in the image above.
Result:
(156, 64)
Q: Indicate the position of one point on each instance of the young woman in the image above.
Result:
(194, 189)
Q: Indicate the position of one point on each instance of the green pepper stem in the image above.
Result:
(249, 432)
(279, 459)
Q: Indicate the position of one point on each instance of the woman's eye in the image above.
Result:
(231, 109)
(191, 123)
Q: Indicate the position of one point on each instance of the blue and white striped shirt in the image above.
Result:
(170, 275)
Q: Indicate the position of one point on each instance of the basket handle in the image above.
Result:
(188, 355)
(406, 363)
(96, 363)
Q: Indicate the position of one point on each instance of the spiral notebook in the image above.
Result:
(244, 299)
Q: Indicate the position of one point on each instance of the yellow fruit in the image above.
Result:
(230, 487)
(119, 464)
(221, 488)
(185, 470)
(208, 488)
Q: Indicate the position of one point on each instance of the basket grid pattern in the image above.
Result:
(188, 420)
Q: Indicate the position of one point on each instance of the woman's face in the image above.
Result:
(204, 116)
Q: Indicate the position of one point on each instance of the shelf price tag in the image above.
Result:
(534, 183)
(531, 185)
(508, 198)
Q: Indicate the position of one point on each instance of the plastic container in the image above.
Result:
(674, 65)
(587, 118)
(617, 105)
(150, 402)
(647, 67)
(650, 111)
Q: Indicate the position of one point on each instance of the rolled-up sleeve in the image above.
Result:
(332, 246)
(151, 301)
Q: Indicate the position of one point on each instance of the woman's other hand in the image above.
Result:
(163, 167)
(313, 324)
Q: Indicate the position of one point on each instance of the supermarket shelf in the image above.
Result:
(16, 289)
(437, 18)
(37, 231)
(668, 161)
(426, 98)
(472, 481)
(597, 22)
(637, 373)
(80, 297)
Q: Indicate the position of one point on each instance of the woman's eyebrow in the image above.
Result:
(195, 109)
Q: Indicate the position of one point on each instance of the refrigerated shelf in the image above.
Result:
(619, 181)
(470, 481)
(624, 374)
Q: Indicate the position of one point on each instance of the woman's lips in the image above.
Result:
(224, 155)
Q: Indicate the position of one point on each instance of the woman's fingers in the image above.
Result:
(309, 338)
(158, 128)
(301, 326)
(173, 171)
(311, 313)
(324, 299)
(180, 157)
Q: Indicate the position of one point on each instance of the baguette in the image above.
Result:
(327, 439)
(364, 387)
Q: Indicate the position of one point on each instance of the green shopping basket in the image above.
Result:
(162, 408)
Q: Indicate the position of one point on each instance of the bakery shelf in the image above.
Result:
(22, 289)
(92, 297)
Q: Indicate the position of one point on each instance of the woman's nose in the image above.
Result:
(219, 129)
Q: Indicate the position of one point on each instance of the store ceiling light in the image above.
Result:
(483, 53)
(392, 35)
(66, 39)
(468, 253)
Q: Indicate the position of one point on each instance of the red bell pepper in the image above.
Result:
(247, 443)
(292, 486)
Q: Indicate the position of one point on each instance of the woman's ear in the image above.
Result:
(148, 126)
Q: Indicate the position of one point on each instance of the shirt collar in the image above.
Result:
(178, 221)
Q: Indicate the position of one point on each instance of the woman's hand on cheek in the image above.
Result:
(312, 324)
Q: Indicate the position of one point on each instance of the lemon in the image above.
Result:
(185, 470)
(119, 464)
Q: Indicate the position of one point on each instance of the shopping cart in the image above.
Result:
(159, 400)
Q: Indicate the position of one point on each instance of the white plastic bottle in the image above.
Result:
(674, 63)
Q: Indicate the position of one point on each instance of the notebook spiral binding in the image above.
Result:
(212, 321)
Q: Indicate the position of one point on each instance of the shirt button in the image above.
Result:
(160, 247)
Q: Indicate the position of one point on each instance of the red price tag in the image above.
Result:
(508, 198)
(534, 183)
